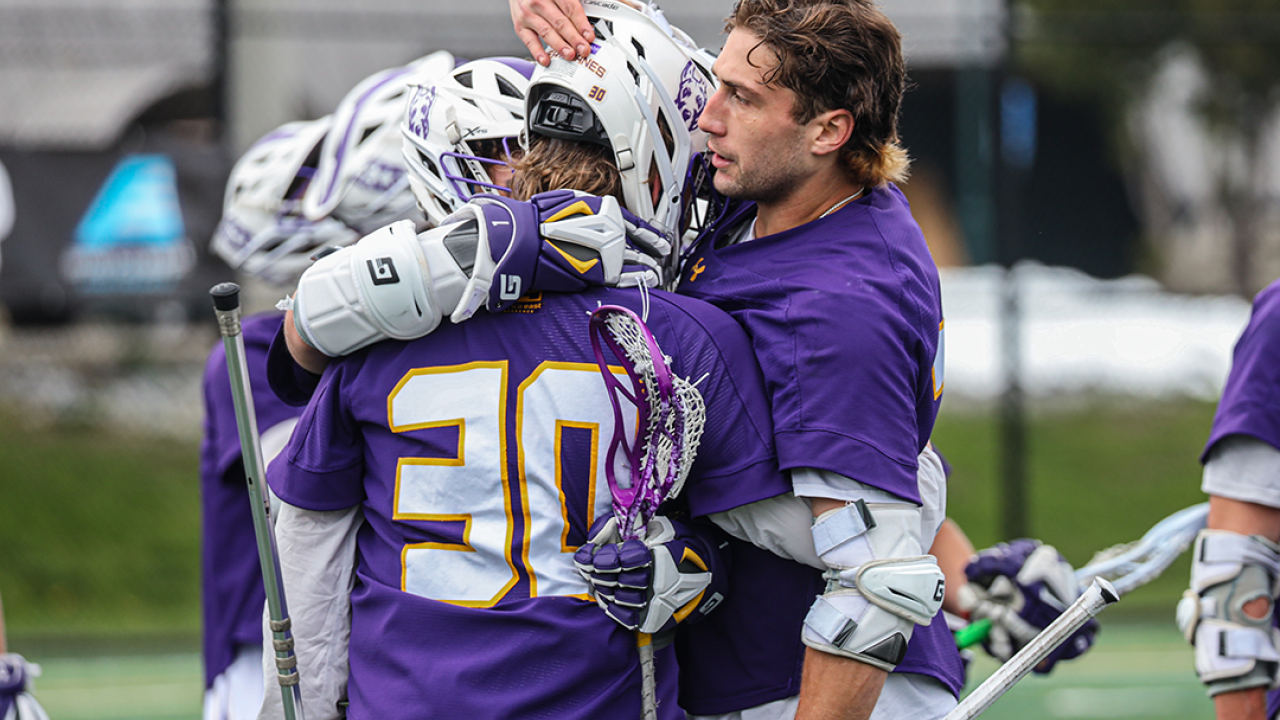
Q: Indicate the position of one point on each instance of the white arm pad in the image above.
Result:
(879, 585)
(317, 565)
(390, 284)
(1234, 650)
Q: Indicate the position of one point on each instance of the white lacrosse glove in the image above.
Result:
(652, 585)
(16, 700)
(1235, 648)
(559, 241)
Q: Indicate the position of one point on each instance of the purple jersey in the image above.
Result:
(845, 317)
(232, 593)
(477, 455)
(1250, 403)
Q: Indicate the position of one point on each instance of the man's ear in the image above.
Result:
(833, 129)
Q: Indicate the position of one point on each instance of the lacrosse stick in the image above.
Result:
(645, 470)
(1127, 566)
(1099, 595)
(226, 304)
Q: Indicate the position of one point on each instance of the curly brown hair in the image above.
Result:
(837, 54)
(551, 164)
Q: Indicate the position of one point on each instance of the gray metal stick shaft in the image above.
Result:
(1091, 602)
(226, 302)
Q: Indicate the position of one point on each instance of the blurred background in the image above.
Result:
(1099, 182)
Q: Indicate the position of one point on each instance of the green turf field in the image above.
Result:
(1135, 671)
(100, 574)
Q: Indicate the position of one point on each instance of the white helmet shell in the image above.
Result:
(262, 231)
(361, 177)
(640, 81)
(480, 100)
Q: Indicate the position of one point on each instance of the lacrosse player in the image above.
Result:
(475, 455)
(1229, 612)
(852, 367)
(303, 187)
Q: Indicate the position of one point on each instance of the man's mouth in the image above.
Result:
(717, 160)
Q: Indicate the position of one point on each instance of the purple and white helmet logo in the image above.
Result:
(379, 176)
(236, 235)
(692, 97)
(420, 110)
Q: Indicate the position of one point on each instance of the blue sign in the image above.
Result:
(132, 239)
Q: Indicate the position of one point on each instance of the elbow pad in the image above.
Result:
(879, 586)
(392, 284)
(1234, 650)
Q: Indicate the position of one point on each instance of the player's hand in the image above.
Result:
(559, 241)
(15, 676)
(561, 24)
(653, 584)
(1021, 587)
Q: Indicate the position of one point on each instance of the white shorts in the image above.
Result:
(237, 693)
(906, 696)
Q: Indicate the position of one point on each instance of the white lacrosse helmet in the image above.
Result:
(361, 177)
(480, 100)
(640, 79)
(263, 232)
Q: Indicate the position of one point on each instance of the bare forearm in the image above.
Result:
(952, 549)
(1245, 518)
(838, 688)
(1248, 704)
(311, 359)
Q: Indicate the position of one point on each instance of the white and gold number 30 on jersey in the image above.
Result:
(474, 488)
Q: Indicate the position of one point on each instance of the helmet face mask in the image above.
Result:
(263, 232)
(457, 130)
(640, 93)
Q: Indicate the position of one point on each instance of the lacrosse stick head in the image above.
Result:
(645, 470)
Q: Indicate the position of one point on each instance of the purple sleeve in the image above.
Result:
(288, 380)
(1250, 403)
(322, 467)
(736, 462)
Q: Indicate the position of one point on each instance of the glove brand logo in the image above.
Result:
(510, 289)
(939, 591)
(382, 271)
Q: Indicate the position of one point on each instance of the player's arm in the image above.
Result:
(880, 586)
(398, 284)
(1245, 518)
(317, 564)
(1235, 566)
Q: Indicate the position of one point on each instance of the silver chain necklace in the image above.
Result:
(842, 203)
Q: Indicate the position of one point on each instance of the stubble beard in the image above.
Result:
(770, 179)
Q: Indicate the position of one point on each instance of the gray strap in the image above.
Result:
(840, 527)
